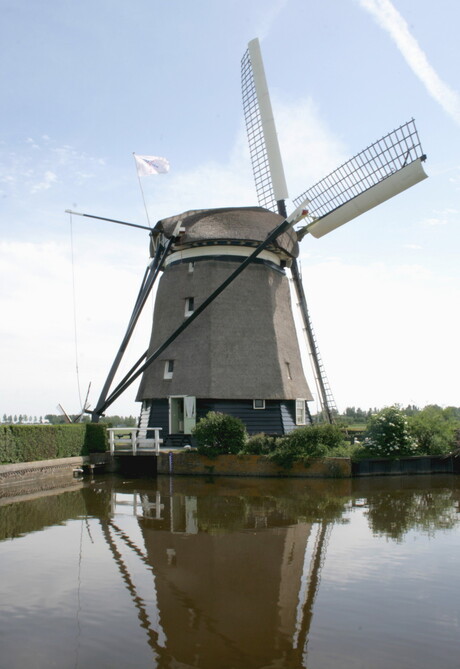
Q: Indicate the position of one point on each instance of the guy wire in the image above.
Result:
(74, 299)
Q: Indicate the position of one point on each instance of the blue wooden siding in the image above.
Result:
(278, 417)
(159, 416)
(287, 409)
(266, 420)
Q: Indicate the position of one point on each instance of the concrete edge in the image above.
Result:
(18, 467)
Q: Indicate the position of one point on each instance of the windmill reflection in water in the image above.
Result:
(229, 581)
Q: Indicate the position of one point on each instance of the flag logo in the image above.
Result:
(151, 165)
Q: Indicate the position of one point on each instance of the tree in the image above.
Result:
(411, 409)
(434, 429)
(54, 419)
(388, 434)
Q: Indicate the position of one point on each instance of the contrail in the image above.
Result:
(269, 16)
(388, 17)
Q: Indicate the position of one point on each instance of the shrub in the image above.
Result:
(260, 444)
(313, 441)
(388, 434)
(347, 450)
(330, 435)
(218, 434)
(306, 441)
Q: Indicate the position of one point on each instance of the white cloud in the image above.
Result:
(32, 143)
(38, 344)
(391, 20)
(433, 221)
(49, 178)
(24, 171)
(386, 333)
(308, 147)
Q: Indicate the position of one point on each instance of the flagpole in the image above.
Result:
(142, 191)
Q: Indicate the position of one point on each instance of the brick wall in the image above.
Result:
(191, 463)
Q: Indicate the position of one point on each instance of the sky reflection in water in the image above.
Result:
(242, 573)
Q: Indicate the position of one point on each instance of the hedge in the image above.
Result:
(26, 443)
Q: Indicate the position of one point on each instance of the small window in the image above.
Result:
(288, 370)
(191, 267)
(169, 369)
(189, 306)
(258, 404)
(300, 412)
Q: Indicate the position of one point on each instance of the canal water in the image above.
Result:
(232, 573)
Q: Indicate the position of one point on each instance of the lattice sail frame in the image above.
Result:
(393, 153)
(382, 170)
(262, 139)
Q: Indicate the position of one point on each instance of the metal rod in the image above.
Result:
(140, 302)
(149, 280)
(131, 371)
(110, 220)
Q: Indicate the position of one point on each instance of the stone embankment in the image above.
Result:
(183, 463)
(48, 472)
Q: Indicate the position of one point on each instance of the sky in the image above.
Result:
(85, 84)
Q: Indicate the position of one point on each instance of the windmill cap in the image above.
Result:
(243, 225)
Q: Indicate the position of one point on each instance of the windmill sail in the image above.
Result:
(381, 171)
(260, 125)
(271, 192)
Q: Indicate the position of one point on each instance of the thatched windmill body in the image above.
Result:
(223, 335)
(241, 356)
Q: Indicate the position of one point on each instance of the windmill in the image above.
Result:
(226, 341)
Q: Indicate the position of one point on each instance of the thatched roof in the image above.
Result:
(243, 224)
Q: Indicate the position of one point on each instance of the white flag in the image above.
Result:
(151, 165)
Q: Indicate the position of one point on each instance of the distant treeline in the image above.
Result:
(353, 415)
(59, 419)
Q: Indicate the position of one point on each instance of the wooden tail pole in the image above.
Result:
(323, 395)
(110, 220)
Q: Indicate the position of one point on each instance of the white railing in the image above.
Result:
(133, 440)
(137, 504)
